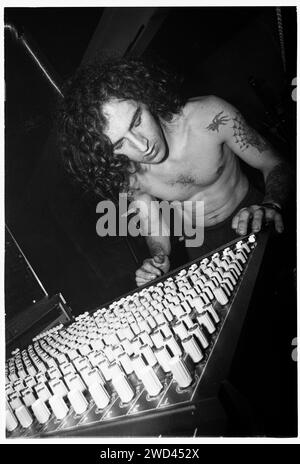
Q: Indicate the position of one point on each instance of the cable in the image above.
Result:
(281, 36)
(23, 40)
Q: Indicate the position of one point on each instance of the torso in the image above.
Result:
(198, 167)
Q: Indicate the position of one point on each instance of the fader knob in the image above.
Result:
(94, 376)
(75, 382)
(191, 348)
(144, 326)
(58, 406)
(187, 321)
(180, 329)
(185, 305)
(40, 411)
(168, 314)
(104, 368)
(99, 395)
(237, 265)
(146, 339)
(180, 372)
(9, 389)
(127, 345)
(198, 303)
(15, 401)
(147, 352)
(19, 385)
(11, 421)
(123, 388)
(173, 345)
(78, 401)
(246, 247)
(28, 397)
(43, 392)
(157, 338)
(84, 349)
(230, 276)
(151, 381)
(165, 330)
(58, 387)
(54, 373)
(161, 319)
(211, 310)
(31, 370)
(66, 368)
(138, 364)
(115, 369)
(205, 320)
(164, 358)
(227, 283)
(30, 381)
(24, 416)
(221, 296)
(151, 321)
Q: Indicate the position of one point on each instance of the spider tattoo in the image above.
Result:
(218, 121)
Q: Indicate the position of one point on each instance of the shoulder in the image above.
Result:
(198, 112)
(209, 114)
(207, 107)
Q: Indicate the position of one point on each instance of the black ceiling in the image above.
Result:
(61, 34)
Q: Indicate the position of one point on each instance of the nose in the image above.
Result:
(140, 142)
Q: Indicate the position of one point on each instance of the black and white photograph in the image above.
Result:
(150, 267)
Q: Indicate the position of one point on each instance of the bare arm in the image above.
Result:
(157, 238)
(278, 184)
(230, 127)
(250, 146)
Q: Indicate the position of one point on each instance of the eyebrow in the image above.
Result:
(134, 118)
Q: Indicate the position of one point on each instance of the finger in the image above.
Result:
(141, 282)
(148, 267)
(159, 263)
(269, 215)
(257, 220)
(159, 259)
(235, 221)
(145, 275)
(243, 221)
(279, 227)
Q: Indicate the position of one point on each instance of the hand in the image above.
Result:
(256, 216)
(151, 269)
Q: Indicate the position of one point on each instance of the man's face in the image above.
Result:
(134, 132)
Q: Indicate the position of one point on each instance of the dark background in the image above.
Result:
(227, 51)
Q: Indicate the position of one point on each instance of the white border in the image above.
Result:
(134, 440)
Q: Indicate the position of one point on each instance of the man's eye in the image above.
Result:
(118, 145)
(137, 122)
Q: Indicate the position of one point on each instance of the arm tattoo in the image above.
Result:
(218, 121)
(245, 136)
(278, 184)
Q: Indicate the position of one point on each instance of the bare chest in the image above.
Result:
(184, 175)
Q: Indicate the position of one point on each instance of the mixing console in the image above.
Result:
(145, 355)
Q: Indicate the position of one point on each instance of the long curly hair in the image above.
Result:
(86, 152)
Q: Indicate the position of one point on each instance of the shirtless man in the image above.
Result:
(191, 155)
